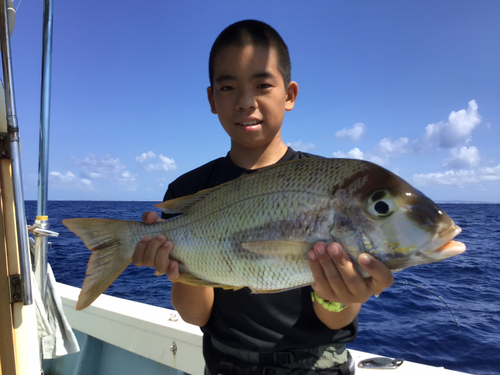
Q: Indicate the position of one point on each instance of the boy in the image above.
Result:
(301, 331)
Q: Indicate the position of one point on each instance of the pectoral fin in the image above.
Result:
(289, 248)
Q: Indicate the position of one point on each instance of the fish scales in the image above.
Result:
(269, 207)
(256, 231)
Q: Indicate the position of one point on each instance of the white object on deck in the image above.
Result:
(54, 331)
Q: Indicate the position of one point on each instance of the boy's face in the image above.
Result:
(249, 95)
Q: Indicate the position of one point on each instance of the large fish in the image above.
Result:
(256, 231)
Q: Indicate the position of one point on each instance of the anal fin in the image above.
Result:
(189, 279)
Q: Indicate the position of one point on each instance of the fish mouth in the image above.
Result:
(439, 247)
(443, 246)
(451, 248)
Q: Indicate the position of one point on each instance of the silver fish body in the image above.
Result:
(256, 231)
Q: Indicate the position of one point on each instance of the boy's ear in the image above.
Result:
(291, 94)
(211, 100)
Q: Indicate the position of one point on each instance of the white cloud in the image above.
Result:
(490, 173)
(68, 181)
(456, 131)
(460, 178)
(167, 164)
(157, 164)
(378, 160)
(145, 156)
(86, 182)
(447, 178)
(354, 134)
(389, 148)
(126, 176)
(463, 157)
(301, 146)
(92, 167)
(385, 149)
(104, 173)
(164, 164)
(355, 153)
(68, 177)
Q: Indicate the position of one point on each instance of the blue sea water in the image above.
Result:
(404, 322)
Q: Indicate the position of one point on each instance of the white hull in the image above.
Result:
(123, 337)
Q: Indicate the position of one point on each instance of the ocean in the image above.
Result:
(448, 317)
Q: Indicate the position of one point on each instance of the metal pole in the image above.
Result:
(41, 243)
(42, 220)
(43, 161)
(13, 130)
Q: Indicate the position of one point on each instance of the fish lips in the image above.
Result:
(442, 246)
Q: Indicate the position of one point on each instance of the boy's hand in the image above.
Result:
(154, 252)
(336, 278)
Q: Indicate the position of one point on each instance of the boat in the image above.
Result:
(114, 335)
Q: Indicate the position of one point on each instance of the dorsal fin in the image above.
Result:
(179, 205)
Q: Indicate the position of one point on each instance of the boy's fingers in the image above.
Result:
(162, 260)
(316, 269)
(355, 284)
(140, 248)
(333, 276)
(322, 271)
(145, 216)
(149, 256)
(173, 271)
(150, 217)
(381, 277)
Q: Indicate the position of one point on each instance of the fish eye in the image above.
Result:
(381, 204)
(381, 207)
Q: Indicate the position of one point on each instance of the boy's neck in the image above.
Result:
(254, 158)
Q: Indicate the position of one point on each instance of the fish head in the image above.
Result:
(394, 222)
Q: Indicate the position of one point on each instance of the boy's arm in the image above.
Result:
(337, 320)
(336, 279)
(193, 303)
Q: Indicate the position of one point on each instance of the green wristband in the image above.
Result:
(328, 305)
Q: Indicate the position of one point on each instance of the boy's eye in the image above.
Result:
(264, 86)
(226, 88)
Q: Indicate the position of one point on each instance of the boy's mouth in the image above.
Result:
(249, 123)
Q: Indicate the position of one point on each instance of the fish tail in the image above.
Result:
(112, 247)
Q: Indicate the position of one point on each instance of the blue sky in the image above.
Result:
(413, 86)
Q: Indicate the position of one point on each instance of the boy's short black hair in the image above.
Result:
(256, 33)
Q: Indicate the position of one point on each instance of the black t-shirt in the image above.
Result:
(260, 322)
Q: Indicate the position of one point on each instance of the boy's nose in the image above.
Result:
(246, 100)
